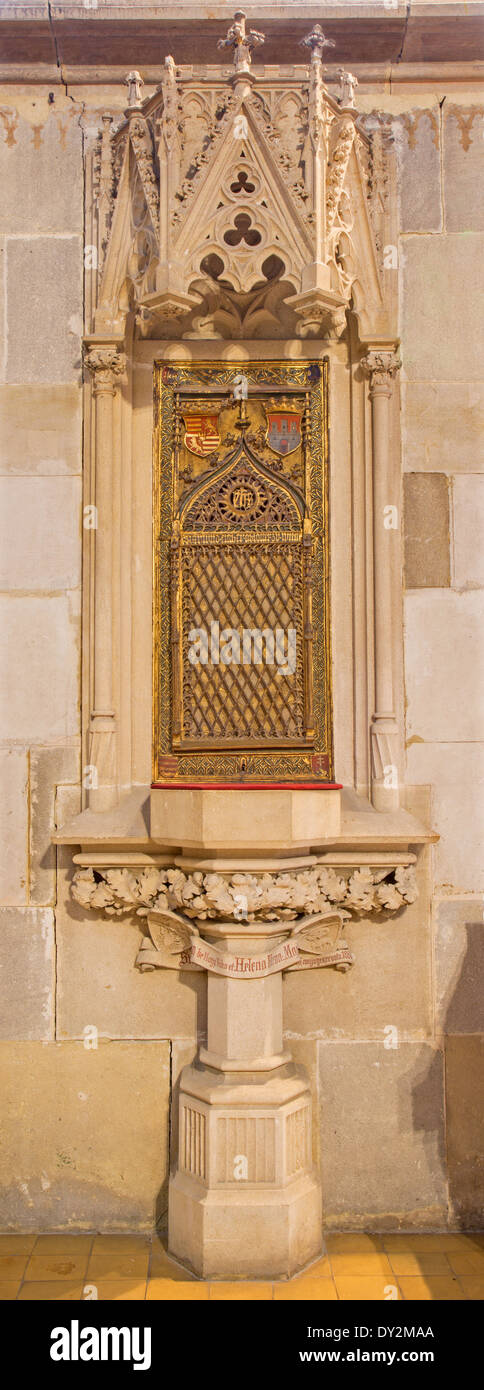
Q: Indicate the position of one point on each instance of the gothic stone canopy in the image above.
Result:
(232, 206)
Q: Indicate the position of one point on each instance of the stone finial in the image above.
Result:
(241, 42)
(316, 42)
(349, 84)
(135, 84)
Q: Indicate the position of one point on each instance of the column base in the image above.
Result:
(245, 1202)
(245, 1234)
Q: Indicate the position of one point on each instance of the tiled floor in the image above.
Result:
(73, 1267)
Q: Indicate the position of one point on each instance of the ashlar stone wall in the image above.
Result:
(441, 257)
(69, 1158)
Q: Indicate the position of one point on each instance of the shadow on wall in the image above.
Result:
(459, 1095)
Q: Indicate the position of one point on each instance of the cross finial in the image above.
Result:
(241, 42)
(316, 42)
(134, 83)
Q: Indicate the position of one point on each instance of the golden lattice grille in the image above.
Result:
(251, 586)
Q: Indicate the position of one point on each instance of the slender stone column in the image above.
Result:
(106, 364)
(381, 367)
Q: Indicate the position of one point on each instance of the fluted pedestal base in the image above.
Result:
(245, 1202)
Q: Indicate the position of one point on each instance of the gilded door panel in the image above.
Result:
(241, 651)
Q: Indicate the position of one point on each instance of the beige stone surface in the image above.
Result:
(86, 1135)
(27, 972)
(41, 172)
(41, 636)
(182, 1052)
(459, 965)
(463, 134)
(464, 1071)
(426, 523)
(48, 768)
(419, 170)
(244, 819)
(388, 984)
(46, 437)
(443, 426)
(456, 772)
(468, 509)
(305, 1055)
(98, 984)
(440, 330)
(40, 533)
(444, 665)
(256, 1234)
(44, 307)
(382, 1134)
(2, 309)
(13, 825)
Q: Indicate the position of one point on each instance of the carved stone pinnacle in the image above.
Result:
(316, 42)
(241, 42)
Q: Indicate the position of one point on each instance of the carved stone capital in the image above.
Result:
(381, 367)
(106, 364)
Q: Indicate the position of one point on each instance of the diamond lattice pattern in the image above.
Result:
(243, 586)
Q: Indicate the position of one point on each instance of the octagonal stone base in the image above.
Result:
(249, 1234)
(241, 819)
(245, 1201)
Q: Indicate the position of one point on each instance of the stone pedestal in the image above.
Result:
(244, 1201)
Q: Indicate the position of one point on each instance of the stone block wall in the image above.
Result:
(91, 1050)
(441, 253)
(70, 1074)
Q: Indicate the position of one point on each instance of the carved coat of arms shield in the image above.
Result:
(201, 434)
(284, 431)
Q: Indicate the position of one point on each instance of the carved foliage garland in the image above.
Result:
(243, 896)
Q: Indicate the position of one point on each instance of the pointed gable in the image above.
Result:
(242, 210)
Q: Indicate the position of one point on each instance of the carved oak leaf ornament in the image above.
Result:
(389, 896)
(405, 882)
(285, 896)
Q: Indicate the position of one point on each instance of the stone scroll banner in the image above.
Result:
(175, 945)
